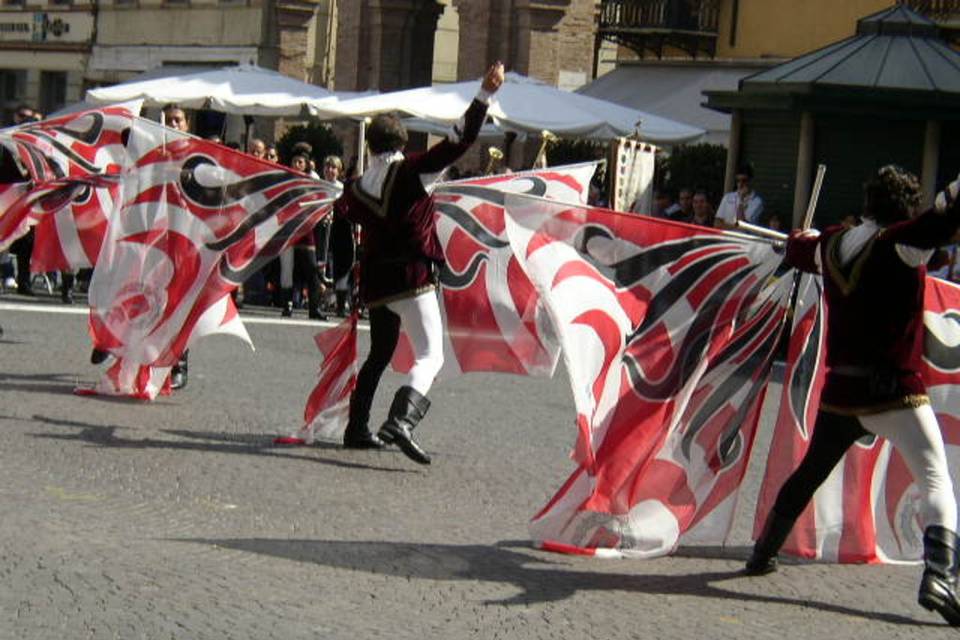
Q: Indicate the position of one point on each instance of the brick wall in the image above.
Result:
(549, 40)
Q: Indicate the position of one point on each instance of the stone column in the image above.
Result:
(802, 184)
(931, 162)
(293, 21)
(733, 150)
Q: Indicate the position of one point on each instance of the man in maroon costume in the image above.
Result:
(400, 254)
(873, 279)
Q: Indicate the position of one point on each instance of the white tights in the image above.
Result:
(916, 435)
(420, 319)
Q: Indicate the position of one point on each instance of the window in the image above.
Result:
(53, 90)
(13, 84)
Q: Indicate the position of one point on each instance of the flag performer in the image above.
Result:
(873, 279)
(392, 201)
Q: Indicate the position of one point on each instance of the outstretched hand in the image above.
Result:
(493, 78)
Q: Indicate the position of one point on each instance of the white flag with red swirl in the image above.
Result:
(868, 510)
(493, 318)
(668, 333)
(61, 157)
(197, 219)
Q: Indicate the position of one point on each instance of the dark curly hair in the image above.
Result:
(386, 133)
(892, 195)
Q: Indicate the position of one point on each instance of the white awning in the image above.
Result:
(245, 89)
(523, 105)
(672, 88)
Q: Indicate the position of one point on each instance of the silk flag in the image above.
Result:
(668, 333)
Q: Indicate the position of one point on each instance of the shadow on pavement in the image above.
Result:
(243, 444)
(538, 579)
(59, 383)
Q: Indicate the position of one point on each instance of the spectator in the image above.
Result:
(663, 204)
(742, 204)
(335, 231)
(175, 118)
(703, 213)
(305, 149)
(300, 258)
(22, 114)
(271, 154)
(850, 221)
(300, 162)
(257, 148)
(684, 205)
(773, 221)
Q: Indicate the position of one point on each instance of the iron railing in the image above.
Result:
(937, 10)
(699, 16)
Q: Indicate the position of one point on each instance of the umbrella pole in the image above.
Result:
(361, 145)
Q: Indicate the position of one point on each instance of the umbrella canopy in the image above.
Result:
(245, 89)
(523, 105)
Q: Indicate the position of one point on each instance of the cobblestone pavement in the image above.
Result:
(179, 519)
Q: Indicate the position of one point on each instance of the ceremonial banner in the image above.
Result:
(197, 220)
(52, 153)
(328, 406)
(668, 332)
(868, 510)
(492, 317)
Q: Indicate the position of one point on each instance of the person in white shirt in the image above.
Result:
(741, 204)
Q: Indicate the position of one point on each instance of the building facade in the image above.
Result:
(394, 44)
(666, 53)
(52, 51)
(44, 50)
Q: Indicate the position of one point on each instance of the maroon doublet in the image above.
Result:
(400, 248)
(874, 313)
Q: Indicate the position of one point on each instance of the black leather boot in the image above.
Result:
(357, 435)
(938, 587)
(764, 557)
(178, 374)
(66, 288)
(406, 412)
(341, 304)
(286, 300)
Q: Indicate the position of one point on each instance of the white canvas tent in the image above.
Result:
(245, 89)
(523, 105)
(677, 89)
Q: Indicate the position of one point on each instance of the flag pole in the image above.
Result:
(814, 197)
(761, 231)
(163, 132)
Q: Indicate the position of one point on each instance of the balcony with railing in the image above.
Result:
(945, 13)
(941, 11)
(655, 26)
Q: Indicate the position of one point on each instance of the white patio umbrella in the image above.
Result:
(523, 105)
(245, 89)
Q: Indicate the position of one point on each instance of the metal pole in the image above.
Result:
(814, 196)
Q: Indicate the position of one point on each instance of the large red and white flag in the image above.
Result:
(60, 156)
(328, 405)
(493, 318)
(868, 510)
(668, 332)
(197, 219)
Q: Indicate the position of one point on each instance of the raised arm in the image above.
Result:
(449, 150)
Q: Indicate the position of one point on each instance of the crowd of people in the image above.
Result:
(693, 205)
